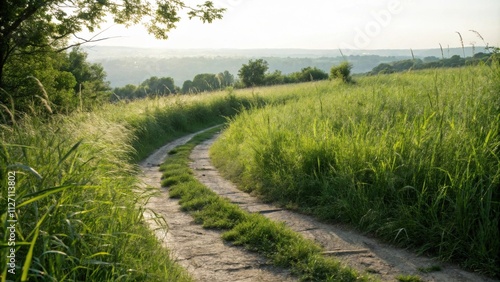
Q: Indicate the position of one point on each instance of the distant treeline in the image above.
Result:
(253, 73)
(430, 62)
(134, 70)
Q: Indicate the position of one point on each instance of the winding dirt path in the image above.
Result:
(358, 251)
(202, 252)
(207, 258)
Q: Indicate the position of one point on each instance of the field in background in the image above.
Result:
(412, 157)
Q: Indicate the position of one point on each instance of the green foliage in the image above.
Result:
(151, 87)
(155, 86)
(187, 87)
(429, 269)
(409, 278)
(342, 72)
(128, 91)
(208, 82)
(79, 211)
(312, 74)
(411, 157)
(253, 73)
(305, 75)
(29, 24)
(37, 31)
(226, 79)
(184, 68)
(274, 78)
(430, 62)
(40, 81)
(76, 209)
(91, 86)
(274, 240)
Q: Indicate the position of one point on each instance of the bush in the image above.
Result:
(312, 74)
(274, 78)
(342, 71)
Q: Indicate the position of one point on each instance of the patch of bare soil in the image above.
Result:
(358, 251)
(202, 252)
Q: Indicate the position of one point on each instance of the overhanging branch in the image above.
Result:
(84, 41)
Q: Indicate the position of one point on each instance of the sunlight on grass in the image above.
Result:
(411, 157)
(278, 243)
(80, 217)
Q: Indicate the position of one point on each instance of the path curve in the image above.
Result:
(202, 252)
(358, 251)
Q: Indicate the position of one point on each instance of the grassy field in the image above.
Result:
(275, 241)
(71, 184)
(412, 158)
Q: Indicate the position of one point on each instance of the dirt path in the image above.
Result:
(202, 252)
(358, 251)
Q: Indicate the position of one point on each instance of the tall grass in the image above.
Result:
(279, 244)
(76, 212)
(412, 158)
(80, 217)
(158, 120)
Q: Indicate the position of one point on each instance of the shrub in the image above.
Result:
(342, 71)
(312, 74)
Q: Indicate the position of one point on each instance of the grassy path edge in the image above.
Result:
(275, 241)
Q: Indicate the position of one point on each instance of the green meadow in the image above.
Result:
(74, 200)
(412, 158)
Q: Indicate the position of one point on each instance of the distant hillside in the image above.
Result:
(125, 65)
(97, 53)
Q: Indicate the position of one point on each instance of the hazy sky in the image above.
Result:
(329, 24)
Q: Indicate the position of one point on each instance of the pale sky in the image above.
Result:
(328, 24)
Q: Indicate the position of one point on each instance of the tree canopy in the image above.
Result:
(253, 73)
(39, 27)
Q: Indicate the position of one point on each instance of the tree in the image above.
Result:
(312, 74)
(91, 85)
(430, 59)
(405, 65)
(41, 80)
(253, 73)
(187, 87)
(126, 92)
(159, 86)
(30, 27)
(226, 79)
(208, 82)
(382, 68)
(85, 72)
(274, 78)
(152, 86)
(205, 82)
